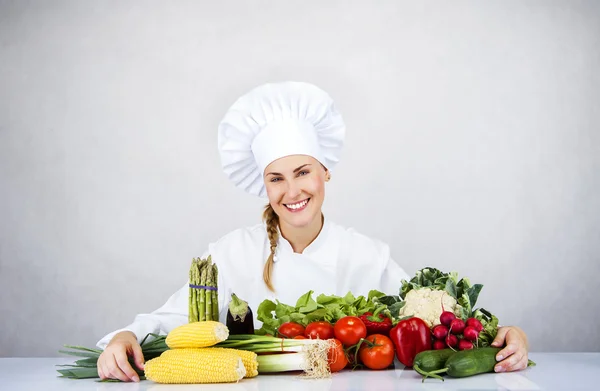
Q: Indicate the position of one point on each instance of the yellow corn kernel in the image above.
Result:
(197, 335)
(248, 358)
(191, 365)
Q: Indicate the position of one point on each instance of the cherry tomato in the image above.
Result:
(337, 357)
(319, 330)
(378, 354)
(349, 330)
(290, 330)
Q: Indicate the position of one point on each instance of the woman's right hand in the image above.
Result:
(113, 362)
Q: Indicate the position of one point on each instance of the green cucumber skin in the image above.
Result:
(431, 360)
(472, 362)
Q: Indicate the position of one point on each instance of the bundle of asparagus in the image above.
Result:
(203, 299)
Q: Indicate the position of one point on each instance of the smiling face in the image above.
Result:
(296, 188)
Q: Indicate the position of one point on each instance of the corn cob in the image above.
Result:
(248, 358)
(186, 366)
(197, 335)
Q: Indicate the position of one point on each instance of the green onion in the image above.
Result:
(87, 367)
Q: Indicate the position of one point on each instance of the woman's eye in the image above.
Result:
(275, 179)
(304, 172)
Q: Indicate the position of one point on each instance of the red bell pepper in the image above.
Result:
(377, 323)
(410, 336)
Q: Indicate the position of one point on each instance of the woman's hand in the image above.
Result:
(514, 355)
(113, 362)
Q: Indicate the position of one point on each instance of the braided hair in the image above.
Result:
(272, 221)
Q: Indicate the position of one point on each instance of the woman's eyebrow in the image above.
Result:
(295, 170)
(301, 167)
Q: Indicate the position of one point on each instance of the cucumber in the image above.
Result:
(431, 360)
(464, 363)
(472, 362)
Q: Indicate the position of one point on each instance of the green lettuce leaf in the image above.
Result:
(264, 313)
(490, 326)
(282, 310)
(349, 298)
(320, 314)
(374, 294)
(306, 303)
(298, 318)
(327, 300)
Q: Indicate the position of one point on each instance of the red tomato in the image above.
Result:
(319, 330)
(290, 330)
(349, 330)
(337, 357)
(377, 353)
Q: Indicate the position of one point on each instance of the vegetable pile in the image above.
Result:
(307, 310)
(432, 326)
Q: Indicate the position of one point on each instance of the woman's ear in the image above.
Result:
(327, 175)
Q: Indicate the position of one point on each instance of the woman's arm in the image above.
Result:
(172, 314)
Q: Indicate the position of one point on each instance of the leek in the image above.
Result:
(273, 363)
(308, 355)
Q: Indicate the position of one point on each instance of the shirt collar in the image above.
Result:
(284, 246)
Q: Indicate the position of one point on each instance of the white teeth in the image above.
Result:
(298, 205)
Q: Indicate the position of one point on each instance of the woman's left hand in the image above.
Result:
(514, 355)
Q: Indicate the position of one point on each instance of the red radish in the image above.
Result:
(470, 333)
(439, 345)
(446, 318)
(475, 323)
(440, 331)
(452, 340)
(463, 344)
(457, 326)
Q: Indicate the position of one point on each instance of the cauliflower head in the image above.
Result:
(426, 303)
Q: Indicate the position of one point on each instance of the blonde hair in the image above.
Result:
(272, 221)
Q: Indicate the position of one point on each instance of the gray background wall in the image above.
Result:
(473, 145)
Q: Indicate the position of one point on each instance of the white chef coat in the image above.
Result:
(337, 261)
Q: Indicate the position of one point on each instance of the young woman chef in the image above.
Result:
(282, 141)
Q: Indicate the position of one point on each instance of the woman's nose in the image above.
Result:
(293, 190)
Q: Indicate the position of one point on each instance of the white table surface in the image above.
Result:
(554, 371)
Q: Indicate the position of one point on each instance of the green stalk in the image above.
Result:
(208, 293)
(215, 293)
(201, 292)
(198, 281)
(192, 310)
(266, 344)
(196, 294)
(79, 373)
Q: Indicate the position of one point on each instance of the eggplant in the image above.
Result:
(239, 317)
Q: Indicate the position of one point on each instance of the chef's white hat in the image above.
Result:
(276, 120)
